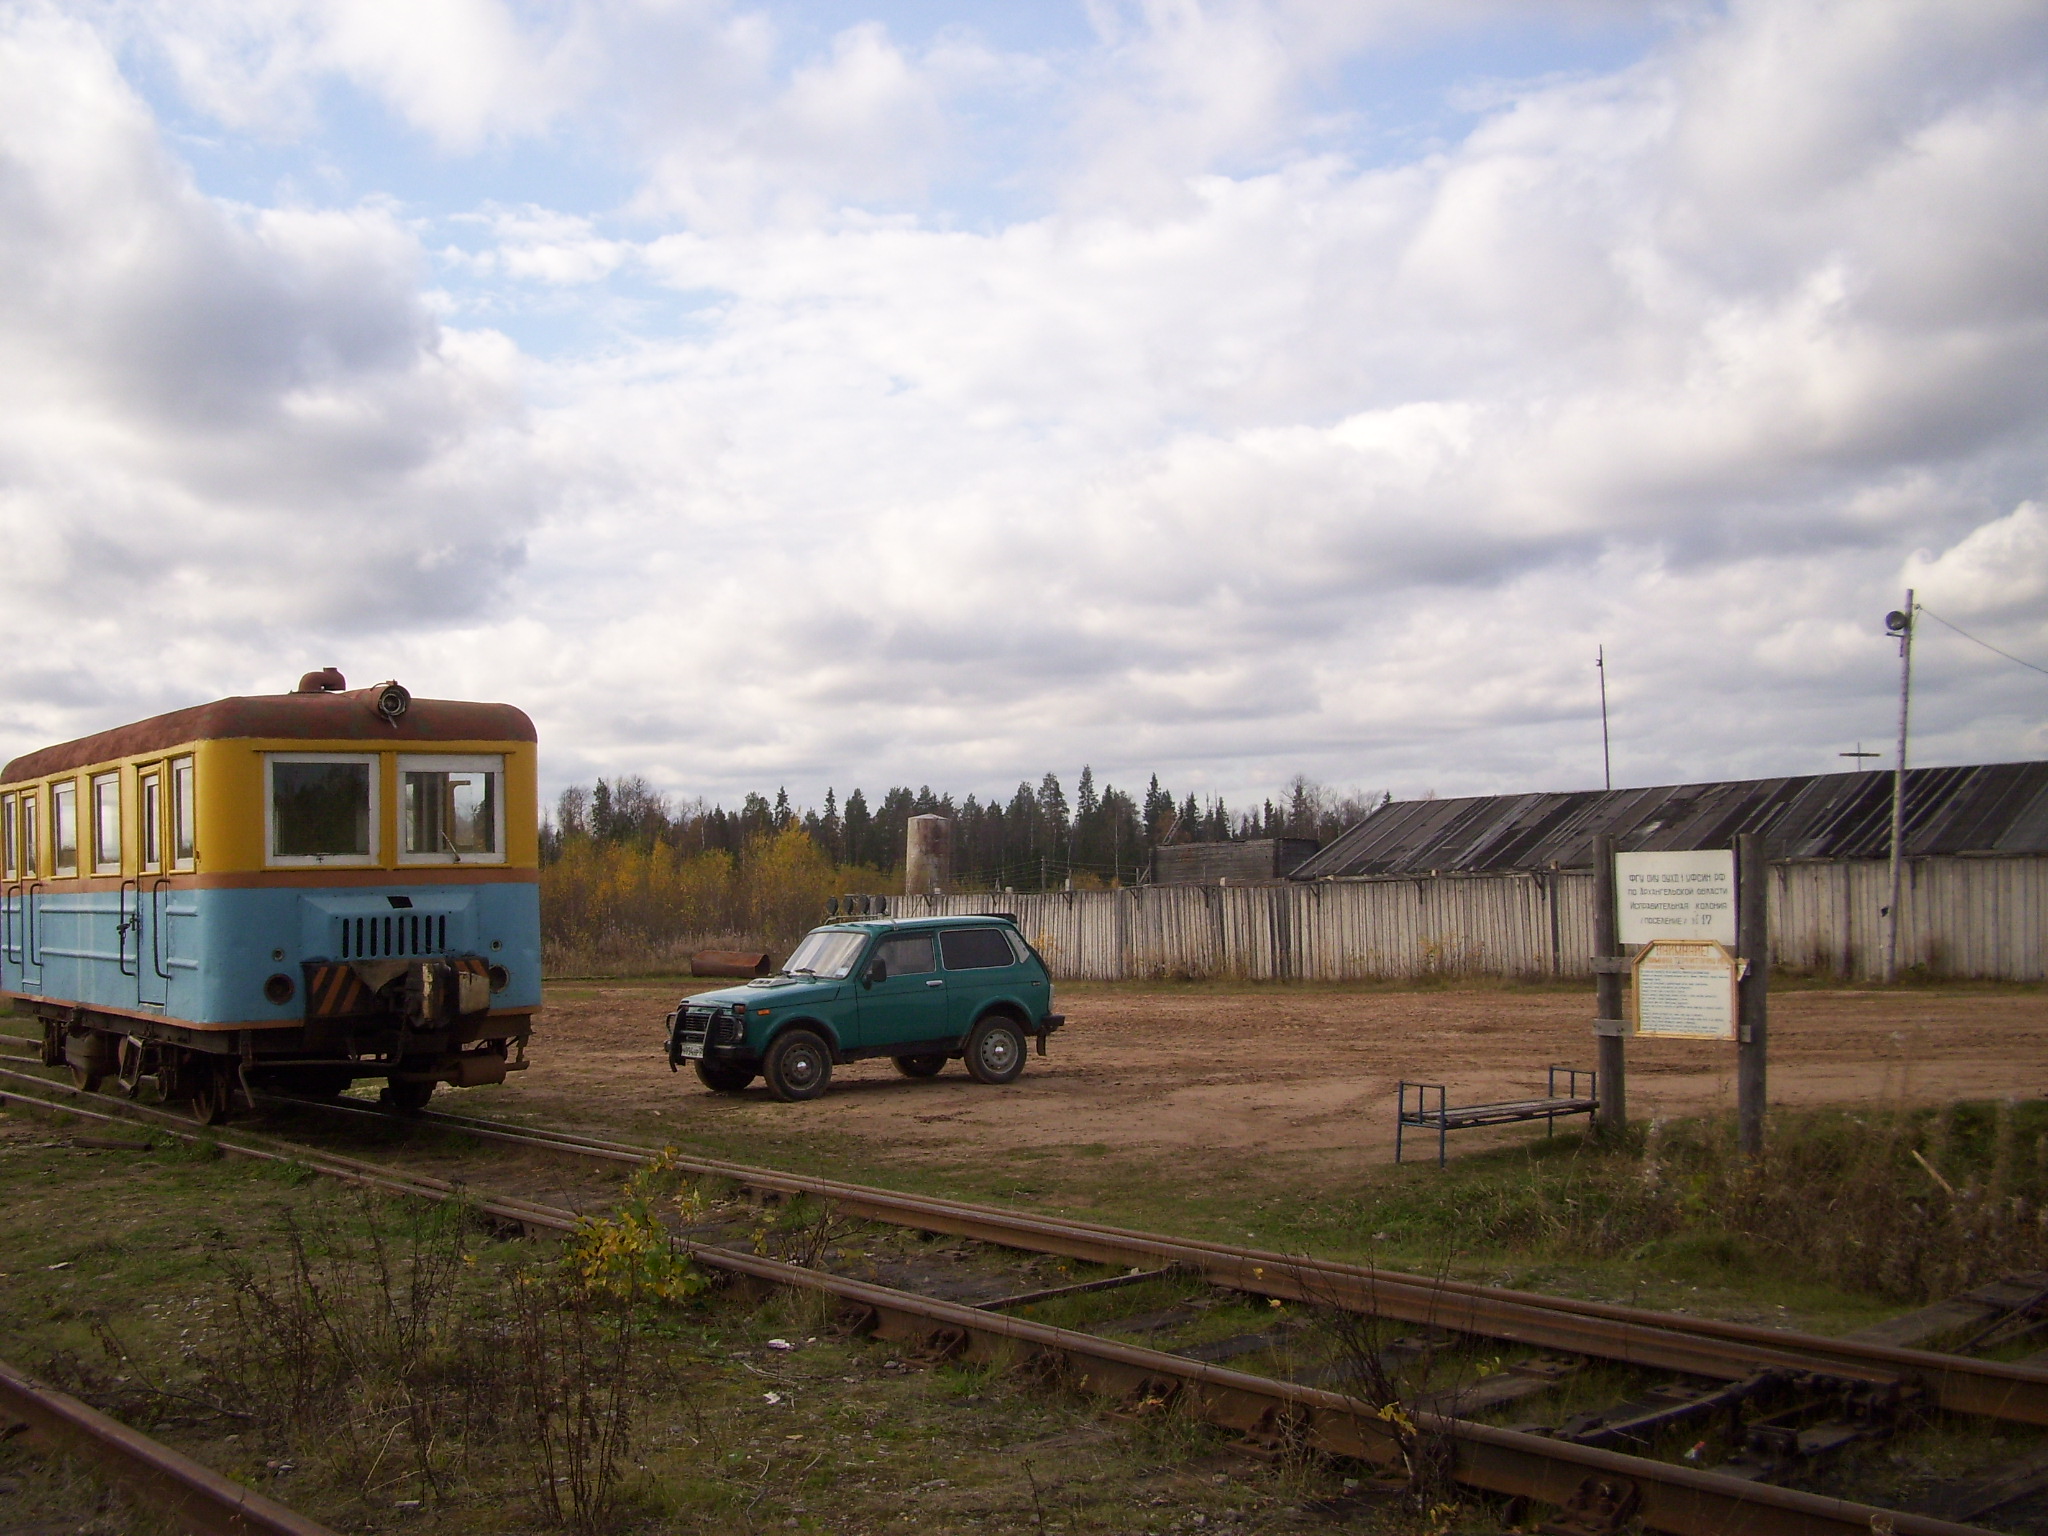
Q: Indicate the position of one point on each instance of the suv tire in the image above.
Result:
(798, 1066)
(995, 1050)
(724, 1076)
(921, 1066)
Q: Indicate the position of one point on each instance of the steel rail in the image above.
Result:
(198, 1498)
(1632, 1335)
(1677, 1499)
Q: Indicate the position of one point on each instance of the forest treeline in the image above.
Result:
(633, 880)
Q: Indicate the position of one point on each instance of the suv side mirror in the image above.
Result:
(878, 970)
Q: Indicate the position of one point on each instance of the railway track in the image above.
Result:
(178, 1488)
(1838, 1390)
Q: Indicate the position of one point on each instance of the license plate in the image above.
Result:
(691, 1050)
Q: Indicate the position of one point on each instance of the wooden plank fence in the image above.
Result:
(1963, 917)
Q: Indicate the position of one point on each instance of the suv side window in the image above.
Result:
(974, 949)
(908, 954)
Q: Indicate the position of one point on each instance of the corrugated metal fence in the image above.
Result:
(1963, 917)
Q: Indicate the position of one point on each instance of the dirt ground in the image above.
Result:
(1256, 1070)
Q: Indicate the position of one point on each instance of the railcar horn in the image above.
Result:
(392, 703)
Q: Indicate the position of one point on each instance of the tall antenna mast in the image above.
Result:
(1606, 757)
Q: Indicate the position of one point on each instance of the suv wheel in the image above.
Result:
(723, 1076)
(995, 1051)
(798, 1066)
(921, 1066)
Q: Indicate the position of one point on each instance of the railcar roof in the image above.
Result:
(348, 716)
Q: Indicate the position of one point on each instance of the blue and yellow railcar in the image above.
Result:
(288, 892)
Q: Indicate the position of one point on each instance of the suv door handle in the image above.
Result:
(935, 983)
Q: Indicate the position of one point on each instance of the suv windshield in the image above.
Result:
(826, 952)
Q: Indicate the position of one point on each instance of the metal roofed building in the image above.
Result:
(1986, 810)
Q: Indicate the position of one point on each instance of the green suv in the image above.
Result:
(920, 990)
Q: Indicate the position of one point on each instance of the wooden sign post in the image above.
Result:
(1700, 924)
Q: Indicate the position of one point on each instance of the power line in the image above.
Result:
(1994, 650)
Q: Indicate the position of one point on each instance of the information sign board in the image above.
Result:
(1686, 988)
(1675, 896)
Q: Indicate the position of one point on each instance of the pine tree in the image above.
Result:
(830, 832)
(859, 829)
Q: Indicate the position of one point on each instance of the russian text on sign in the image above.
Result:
(1675, 896)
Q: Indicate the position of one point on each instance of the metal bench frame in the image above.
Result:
(1443, 1117)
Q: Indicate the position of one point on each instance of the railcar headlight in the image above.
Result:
(392, 702)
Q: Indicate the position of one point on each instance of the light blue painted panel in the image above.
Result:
(203, 956)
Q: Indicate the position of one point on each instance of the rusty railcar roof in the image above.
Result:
(350, 716)
(1987, 809)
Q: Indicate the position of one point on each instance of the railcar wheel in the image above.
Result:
(724, 1076)
(921, 1066)
(405, 1098)
(87, 1078)
(798, 1066)
(995, 1051)
(212, 1092)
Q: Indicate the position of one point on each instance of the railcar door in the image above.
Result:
(26, 932)
(152, 974)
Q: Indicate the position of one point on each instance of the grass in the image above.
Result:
(119, 1266)
(372, 1364)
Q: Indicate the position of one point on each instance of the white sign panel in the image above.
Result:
(1686, 988)
(1676, 896)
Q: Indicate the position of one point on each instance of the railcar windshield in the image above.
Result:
(320, 810)
(827, 953)
(452, 807)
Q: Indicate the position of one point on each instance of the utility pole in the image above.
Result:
(1899, 622)
(1753, 940)
(1606, 758)
(1609, 1028)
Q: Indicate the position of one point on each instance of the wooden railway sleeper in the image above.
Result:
(1602, 1505)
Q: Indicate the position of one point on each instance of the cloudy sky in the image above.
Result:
(832, 393)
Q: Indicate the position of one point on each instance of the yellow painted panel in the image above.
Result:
(229, 807)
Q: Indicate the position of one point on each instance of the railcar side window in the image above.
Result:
(106, 824)
(149, 821)
(184, 843)
(322, 809)
(31, 835)
(453, 809)
(10, 837)
(64, 827)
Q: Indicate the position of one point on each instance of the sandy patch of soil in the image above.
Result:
(1253, 1071)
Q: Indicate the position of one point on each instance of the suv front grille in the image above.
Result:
(699, 1025)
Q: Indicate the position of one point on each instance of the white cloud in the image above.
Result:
(1999, 567)
(219, 426)
(1230, 456)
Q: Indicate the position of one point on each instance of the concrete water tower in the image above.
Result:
(928, 856)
